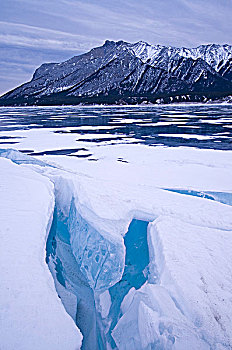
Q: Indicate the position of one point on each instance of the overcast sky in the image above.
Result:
(36, 31)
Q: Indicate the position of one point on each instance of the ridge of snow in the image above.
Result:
(212, 54)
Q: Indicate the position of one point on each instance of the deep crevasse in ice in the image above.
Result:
(176, 299)
(72, 286)
(85, 265)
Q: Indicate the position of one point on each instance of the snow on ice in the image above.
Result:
(32, 315)
(139, 251)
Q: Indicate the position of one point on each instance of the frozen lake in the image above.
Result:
(201, 126)
(131, 210)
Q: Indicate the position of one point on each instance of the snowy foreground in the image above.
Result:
(136, 243)
(32, 315)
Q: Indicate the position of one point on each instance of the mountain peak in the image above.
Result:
(109, 43)
(132, 71)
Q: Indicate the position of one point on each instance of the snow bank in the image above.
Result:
(32, 315)
(194, 266)
(152, 321)
(190, 304)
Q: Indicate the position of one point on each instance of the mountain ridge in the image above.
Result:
(121, 72)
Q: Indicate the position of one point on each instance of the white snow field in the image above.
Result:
(139, 248)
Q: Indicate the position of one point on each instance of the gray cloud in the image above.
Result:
(31, 36)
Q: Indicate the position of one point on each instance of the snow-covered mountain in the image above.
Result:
(125, 72)
(217, 56)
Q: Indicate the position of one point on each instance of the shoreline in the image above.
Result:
(150, 105)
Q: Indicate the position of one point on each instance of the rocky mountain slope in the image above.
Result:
(120, 72)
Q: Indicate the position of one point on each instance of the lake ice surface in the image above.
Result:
(140, 244)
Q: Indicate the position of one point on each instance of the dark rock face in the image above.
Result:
(120, 72)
